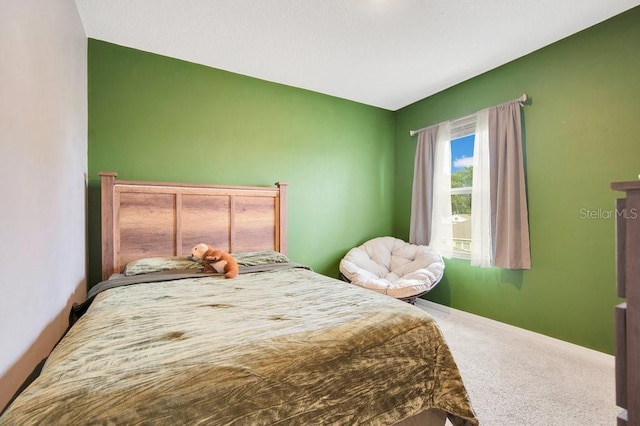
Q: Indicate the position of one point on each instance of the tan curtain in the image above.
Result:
(422, 193)
(509, 217)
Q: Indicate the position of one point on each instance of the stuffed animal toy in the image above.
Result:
(215, 260)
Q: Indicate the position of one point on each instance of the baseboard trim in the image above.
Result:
(577, 350)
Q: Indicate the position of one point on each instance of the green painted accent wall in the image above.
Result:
(158, 118)
(582, 131)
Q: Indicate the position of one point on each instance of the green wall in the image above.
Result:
(157, 118)
(581, 132)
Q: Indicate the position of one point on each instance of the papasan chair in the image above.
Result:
(394, 267)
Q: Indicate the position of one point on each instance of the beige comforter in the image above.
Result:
(280, 347)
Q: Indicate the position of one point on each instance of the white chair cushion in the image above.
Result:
(391, 266)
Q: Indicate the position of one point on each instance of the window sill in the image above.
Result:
(463, 256)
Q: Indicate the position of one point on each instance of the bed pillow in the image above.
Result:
(260, 258)
(159, 264)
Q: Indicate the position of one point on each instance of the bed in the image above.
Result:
(160, 342)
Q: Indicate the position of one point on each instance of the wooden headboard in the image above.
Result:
(159, 219)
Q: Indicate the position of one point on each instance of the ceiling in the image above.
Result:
(384, 53)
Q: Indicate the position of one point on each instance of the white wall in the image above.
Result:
(43, 164)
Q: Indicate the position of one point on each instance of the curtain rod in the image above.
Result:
(521, 100)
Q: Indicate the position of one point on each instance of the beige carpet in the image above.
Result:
(518, 378)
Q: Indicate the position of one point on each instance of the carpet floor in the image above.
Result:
(518, 378)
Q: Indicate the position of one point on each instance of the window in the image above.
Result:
(461, 183)
(442, 196)
(462, 143)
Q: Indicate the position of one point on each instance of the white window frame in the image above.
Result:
(461, 128)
